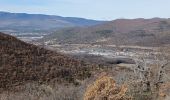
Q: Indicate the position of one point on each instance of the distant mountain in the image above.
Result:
(143, 32)
(23, 22)
(21, 62)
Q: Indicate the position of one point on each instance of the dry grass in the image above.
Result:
(33, 91)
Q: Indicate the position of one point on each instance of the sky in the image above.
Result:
(91, 9)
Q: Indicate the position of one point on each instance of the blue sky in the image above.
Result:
(92, 9)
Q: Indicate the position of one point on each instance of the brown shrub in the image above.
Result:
(105, 88)
(164, 91)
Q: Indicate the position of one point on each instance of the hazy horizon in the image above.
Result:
(91, 9)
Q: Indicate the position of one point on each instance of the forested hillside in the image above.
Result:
(21, 62)
(142, 32)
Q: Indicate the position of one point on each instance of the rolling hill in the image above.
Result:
(22, 22)
(142, 32)
(21, 63)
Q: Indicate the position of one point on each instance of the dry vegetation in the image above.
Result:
(105, 88)
(33, 91)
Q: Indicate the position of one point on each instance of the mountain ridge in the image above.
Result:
(40, 22)
(142, 32)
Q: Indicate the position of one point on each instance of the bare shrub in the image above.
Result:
(150, 75)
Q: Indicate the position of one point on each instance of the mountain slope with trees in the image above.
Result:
(142, 32)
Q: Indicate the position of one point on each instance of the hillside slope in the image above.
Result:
(143, 32)
(21, 62)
